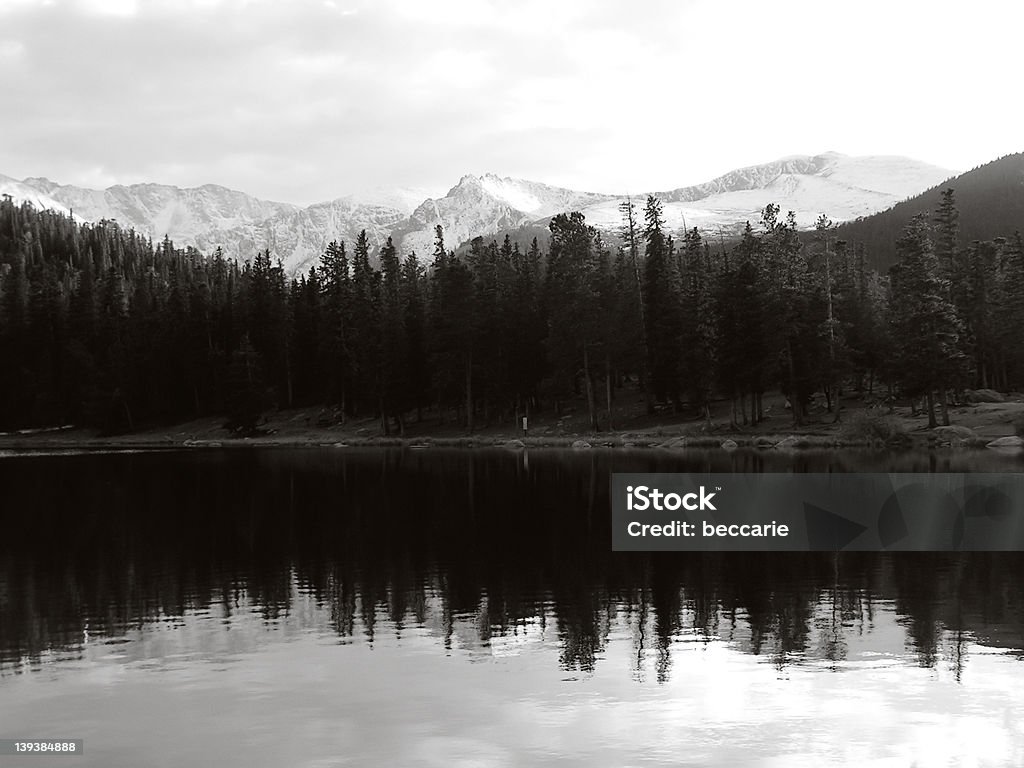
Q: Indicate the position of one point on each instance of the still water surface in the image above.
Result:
(331, 607)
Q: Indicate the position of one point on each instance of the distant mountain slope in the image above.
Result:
(836, 185)
(24, 192)
(841, 187)
(206, 217)
(301, 236)
(159, 209)
(486, 205)
(402, 199)
(990, 200)
(213, 216)
(892, 175)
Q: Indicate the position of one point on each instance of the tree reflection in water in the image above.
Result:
(472, 547)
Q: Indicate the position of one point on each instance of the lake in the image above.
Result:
(340, 606)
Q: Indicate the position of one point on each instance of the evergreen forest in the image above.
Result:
(102, 327)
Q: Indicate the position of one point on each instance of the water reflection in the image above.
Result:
(482, 552)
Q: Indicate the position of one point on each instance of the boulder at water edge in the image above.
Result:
(954, 433)
(1007, 442)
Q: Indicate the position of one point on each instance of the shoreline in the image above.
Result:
(781, 441)
(976, 426)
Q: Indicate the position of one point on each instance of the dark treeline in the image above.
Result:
(472, 545)
(102, 327)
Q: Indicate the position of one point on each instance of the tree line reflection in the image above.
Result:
(474, 547)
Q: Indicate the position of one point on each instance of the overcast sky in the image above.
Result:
(307, 101)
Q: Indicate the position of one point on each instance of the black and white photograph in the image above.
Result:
(466, 383)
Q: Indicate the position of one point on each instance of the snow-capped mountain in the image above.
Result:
(24, 192)
(212, 216)
(206, 217)
(839, 186)
(484, 205)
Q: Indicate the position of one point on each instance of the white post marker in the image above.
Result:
(524, 426)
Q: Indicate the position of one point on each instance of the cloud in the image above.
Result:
(304, 101)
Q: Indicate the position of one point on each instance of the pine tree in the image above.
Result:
(527, 355)
(366, 336)
(574, 319)
(661, 307)
(306, 310)
(924, 325)
(947, 249)
(829, 265)
(698, 323)
(414, 309)
(393, 382)
(630, 234)
(1009, 314)
(337, 345)
(452, 328)
(979, 289)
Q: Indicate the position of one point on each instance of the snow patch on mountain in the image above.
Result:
(516, 195)
(898, 177)
(537, 199)
(22, 192)
(838, 186)
(403, 199)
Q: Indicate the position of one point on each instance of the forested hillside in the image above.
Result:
(990, 200)
(101, 327)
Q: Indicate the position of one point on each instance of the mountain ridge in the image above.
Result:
(210, 216)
